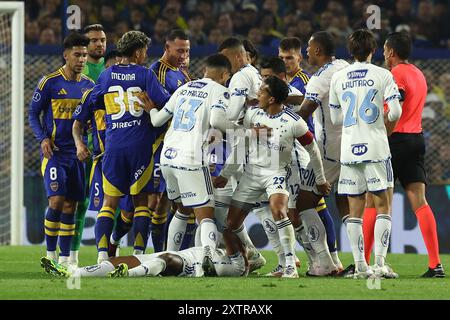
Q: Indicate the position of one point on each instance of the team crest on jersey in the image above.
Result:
(270, 226)
(359, 149)
(96, 201)
(54, 186)
(357, 74)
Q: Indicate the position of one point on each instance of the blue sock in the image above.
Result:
(66, 232)
(123, 225)
(158, 230)
(190, 232)
(51, 226)
(327, 220)
(141, 227)
(103, 227)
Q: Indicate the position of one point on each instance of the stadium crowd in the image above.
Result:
(264, 22)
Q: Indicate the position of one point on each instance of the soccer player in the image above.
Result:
(407, 147)
(194, 107)
(356, 100)
(94, 65)
(268, 168)
(56, 97)
(127, 161)
(243, 87)
(185, 263)
(321, 54)
(290, 52)
(171, 73)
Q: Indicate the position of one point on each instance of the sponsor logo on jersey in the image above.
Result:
(171, 153)
(283, 119)
(139, 172)
(359, 149)
(240, 92)
(197, 84)
(78, 110)
(36, 97)
(186, 195)
(54, 186)
(179, 83)
(128, 124)
(357, 74)
(226, 95)
(62, 92)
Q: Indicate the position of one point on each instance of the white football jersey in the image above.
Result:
(275, 152)
(328, 136)
(357, 95)
(244, 85)
(185, 143)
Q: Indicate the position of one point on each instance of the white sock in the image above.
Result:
(264, 215)
(102, 256)
(302, 238)
(336, 260)
(286, 232)
(137, 252)
(177, 229)
(151, 267)
(355, 235)
(317, 236)
(242, 233)
(52, 255)
(198, 238)
(63, 260)
(73, 257)
(97, 270)
(208, 233)
(382, 234)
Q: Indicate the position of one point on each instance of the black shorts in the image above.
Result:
(408, 157)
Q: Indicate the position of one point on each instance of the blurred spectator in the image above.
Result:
(402, 14)
(255, 36)
(249, 17)
(160, 29)
(121, 28)
(216, 36)
(47, 37)
(304, 7)
(225, 25)
(326, 18)
(32, 32)
(172, 13)
(340, 29)
(196, 24)
(268, 28)
(138, 20)
(107, 17)
(273, 7)
(305, 29)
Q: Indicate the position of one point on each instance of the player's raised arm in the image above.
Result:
(336, 115)
(38, 103)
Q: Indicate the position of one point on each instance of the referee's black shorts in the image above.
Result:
(408, 157)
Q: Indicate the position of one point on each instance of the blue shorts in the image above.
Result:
(63, 176)
(127, 171)
(157, 182)
(96, 190)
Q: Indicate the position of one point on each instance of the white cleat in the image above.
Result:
(255, 260)
(290, 272)
(364, 274)
(277, 272)
(384, 272)
(313, 270)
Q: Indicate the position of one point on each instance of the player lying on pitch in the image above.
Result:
(184, 263)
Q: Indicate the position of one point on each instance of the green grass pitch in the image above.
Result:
(21, 277)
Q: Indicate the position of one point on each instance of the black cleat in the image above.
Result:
(347, 272)
(208, 265)
(437, 272)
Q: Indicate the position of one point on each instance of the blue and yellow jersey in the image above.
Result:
(127, 124)
(57, 97)
(87, 111)
(299, 81)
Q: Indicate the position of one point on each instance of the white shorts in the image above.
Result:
(193, 187)
(308, 179)
(252, 185)
(357, 179)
